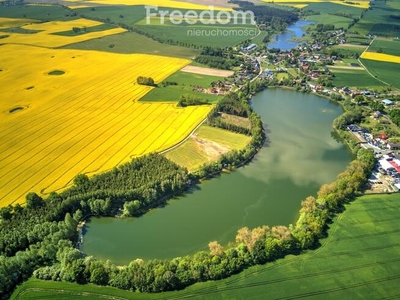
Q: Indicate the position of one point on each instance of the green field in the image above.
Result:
(130, 42)
(349, 51)
(354, 78)
(334, 9)
(388, 72)
(38, 12)
(191, 154)
(387, 46)
(360, 259)
(329, 19)
(186, 85)
(381, 19)
(199, 35)
(135, 17)
(124, 14)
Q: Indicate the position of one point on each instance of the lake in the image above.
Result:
(284, 40)
(300, 155)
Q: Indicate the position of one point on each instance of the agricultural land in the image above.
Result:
(109, 112)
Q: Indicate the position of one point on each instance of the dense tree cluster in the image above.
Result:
(145, 81)
(189, 99)
(31, 236)
(395, 116)
(273, 18)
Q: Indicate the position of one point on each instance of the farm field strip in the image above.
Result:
(86, 120)
(160, 3)
(381, 57)
(359, 4)
(57, 154)
(46, 36)
(64, 97)
(113, 142)
(53, 123)
(165, 138)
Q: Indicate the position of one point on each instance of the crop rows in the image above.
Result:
(46, 37)
(87, 120)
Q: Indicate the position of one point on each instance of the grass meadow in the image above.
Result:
(359, 259)
(385, 71)
(204, 147)
(86, 120)
(386, 46)
(130, 42)
(354, 78)
(186, 83)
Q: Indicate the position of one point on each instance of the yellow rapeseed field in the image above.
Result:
(381, 57)
(294, 3)
(47, 37)
(85, 120)
(160, 3)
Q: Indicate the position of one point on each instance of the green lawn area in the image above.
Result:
(130, 42)
(360, 259)
(192, 154)
(186, 85)
(354, 78)
(385, 71)
(387, 46)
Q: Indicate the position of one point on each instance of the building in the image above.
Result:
(387, 102)
(393, 146)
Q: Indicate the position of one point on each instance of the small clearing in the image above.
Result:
(207, 71)
(212, 149)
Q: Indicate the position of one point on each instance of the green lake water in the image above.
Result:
(300, 155)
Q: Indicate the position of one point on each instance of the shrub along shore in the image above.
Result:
(41, 237)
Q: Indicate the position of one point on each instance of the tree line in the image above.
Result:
(189, 100)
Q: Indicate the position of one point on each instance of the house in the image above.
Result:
(387, 102)
(250, 47)
(377, 114)
(393, 146)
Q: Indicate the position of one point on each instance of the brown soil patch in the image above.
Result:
(212, 149)
(207, 71)
(346, 67)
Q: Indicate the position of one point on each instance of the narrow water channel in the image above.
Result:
(300, 155)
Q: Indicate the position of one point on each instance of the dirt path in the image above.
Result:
(212, 149)
(207, 71)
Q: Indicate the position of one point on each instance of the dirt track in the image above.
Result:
(206, 71)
